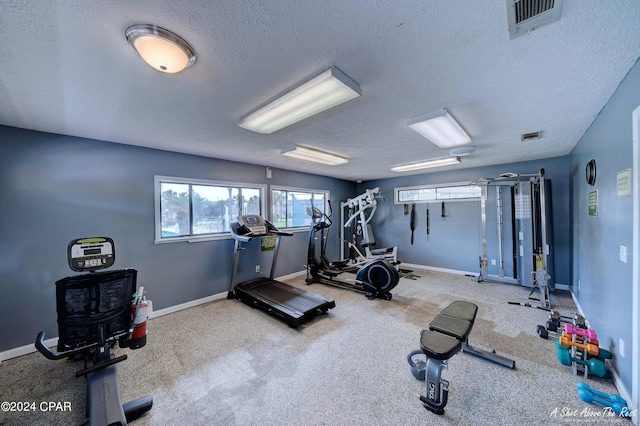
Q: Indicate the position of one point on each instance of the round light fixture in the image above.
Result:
(160, 48)
(462, 151)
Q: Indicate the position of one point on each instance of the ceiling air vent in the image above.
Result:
(527, 15)
(530, 136)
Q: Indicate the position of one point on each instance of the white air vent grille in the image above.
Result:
(527, 15)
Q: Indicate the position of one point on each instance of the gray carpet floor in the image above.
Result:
(223, 363)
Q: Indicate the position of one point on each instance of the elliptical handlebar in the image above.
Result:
(320, 219)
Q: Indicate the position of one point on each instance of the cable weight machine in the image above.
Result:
(355, 215)
(528, 196)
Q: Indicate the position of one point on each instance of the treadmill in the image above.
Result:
(293, 305)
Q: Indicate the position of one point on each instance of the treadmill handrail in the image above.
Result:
(235, 228)
(272, 229)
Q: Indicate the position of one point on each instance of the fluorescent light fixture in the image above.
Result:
(160, 48)
(427, 164)
(328, 89)
(314, 155)
(440, 128)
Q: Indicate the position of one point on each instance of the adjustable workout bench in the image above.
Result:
(447, 334)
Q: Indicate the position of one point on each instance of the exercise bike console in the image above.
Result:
(90, 254)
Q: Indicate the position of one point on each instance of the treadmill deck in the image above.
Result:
(293, 305)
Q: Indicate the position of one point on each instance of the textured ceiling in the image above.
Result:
(67, 68)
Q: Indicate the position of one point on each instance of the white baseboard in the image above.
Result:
(580, 311)
(191, 304)
(622, 390)
(502, 280)
(618, 383)
(27, 349)
(187, 305)
(433, 268)
(293, 275)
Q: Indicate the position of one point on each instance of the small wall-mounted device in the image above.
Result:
(591, 172)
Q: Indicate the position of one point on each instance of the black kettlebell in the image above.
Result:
(418, 367)
(553, 325)
(542, 332)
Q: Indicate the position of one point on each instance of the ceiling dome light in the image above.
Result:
(160, 48)
(462, 151)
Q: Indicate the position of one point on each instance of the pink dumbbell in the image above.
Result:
(589, 333)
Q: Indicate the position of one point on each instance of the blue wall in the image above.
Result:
(455, 240)
(58, 188)
(605, 283)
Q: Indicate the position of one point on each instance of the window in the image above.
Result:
(188, 209)
(458, 192)
(424, 194)
(292, 207)
(416, 195)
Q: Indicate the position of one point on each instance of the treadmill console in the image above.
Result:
(254, 223)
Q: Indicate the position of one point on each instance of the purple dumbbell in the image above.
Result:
(589, 333)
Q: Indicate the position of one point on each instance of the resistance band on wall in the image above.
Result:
(427, 221)
(413, 221)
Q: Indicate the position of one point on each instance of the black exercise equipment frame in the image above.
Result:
(326, 272)
(447, 335)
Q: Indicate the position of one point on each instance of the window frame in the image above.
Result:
(158, 180)
(326, 192)
(397, 190)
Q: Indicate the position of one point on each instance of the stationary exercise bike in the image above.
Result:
(96, 311)
(376, 278)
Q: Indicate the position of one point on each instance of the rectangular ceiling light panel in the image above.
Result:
(427, 164)
(316, 156)
(440, 128)
(328, 89)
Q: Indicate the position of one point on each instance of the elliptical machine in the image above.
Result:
(374, 279)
